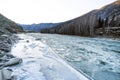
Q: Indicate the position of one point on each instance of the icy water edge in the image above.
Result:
(99, 58)
(40, 62)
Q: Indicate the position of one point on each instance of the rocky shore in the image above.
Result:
(7, 39)
(7, 59)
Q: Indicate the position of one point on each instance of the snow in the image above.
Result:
(40, 62)
(97, 57)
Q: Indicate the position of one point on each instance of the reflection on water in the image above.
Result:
(99, 58)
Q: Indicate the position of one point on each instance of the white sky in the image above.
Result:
(39, 11)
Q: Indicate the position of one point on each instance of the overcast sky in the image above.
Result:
(42, 11)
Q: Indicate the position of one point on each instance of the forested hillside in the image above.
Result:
(103, 21)
(7, 26)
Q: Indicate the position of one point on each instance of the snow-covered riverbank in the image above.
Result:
(40, 62)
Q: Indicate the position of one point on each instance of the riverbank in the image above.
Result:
(94, 56)
(7, 59)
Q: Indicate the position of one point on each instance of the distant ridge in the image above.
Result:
(38, 27)
(104, 21)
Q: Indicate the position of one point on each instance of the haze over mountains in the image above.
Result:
(38, 27)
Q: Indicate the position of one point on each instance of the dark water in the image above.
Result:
(99, 58)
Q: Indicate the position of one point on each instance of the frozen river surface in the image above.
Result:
(40, 62)
(48, 56)
(99, 58)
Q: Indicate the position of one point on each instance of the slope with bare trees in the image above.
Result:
(104, 21)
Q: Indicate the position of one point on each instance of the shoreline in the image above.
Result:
(6, 58)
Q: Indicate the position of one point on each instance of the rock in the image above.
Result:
(4, 35)
(14, 77)
(27, 41)
(5, 74)
(5, 45)
(9, 55)
(103, 63)
(1, 65)
(38, 39)
(1, 77)
(1, 55)
(4, 58)
(20, 39)
(13, 61)
(7, 59)
(5, 39)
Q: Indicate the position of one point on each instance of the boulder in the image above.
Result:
(5, 43)
(6, 74)
(5, 47)
(1, 77)
(12, 62)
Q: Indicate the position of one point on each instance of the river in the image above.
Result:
(43, 55)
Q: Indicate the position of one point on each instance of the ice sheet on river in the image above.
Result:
(41, 63)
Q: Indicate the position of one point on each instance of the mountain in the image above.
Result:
(7, 26)
(38, 27)
(103, 21)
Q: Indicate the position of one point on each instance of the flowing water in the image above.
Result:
(99, 58)
(40, 62)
